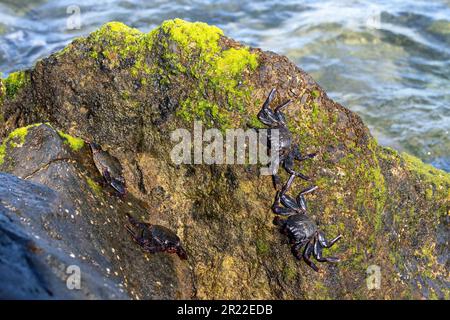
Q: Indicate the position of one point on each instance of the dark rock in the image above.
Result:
(72, 221)
(35, 264)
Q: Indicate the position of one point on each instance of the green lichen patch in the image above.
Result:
(215, 71)
(437, 180)
(117, 45)
(15, 139)
(176, 51)
(95, 187)
(262, 247)
(14, 82)
(74, 143)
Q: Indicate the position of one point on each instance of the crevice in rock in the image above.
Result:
(45, 166)
(141, 183)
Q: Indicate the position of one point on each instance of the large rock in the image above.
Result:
(64, 217)
(128, 91)
(35, 262)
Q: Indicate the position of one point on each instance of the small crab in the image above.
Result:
(155, 238)
(288, 152)
(301, 229)
(109, 167)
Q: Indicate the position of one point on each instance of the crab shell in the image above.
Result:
(299, 227)
(164, 238)
(109, 167)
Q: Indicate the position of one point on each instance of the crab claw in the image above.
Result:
(182, 253)
(119, 186)
(270, 97)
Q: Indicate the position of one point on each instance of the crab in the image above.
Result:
(109, 167)
(300, 228)
(288, 151)
(155, 238)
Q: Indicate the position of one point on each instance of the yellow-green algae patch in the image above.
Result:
(15, 139)
(217, 72)
(95, 187)
(176, 48)
(116, 42)
(14, 82)
(437, 180)
(196, 35)
(74, 143)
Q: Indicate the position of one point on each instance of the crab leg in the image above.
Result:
(307, 256)
(133, 235)
(288, 184)
(288, 165)
(278, 209)
(301, 201)
(182, 253)
(282, 106)
(324, 242)
(266, 115)
(318, 253)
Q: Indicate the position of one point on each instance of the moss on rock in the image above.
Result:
(15, 82)
(94, 186)
(436, 181)
(215, 71)
(189, 48)
(73, 142)
(14, 140)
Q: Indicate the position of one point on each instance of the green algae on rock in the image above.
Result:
(129, 90)
(95, 187)
(15, 139)
(75, 143)
(14, 82)
(192, 49)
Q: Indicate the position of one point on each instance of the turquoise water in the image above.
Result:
(387, 60)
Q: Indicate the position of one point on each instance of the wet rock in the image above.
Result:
(128, 91)
(60, 216)
(34, 264)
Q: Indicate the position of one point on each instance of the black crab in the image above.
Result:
(288, 152)
(301, 230)
(155, 238)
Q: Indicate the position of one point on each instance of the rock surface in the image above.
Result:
(129, 90)
(66, 218)
(34, 263)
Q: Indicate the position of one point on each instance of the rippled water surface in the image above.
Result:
(387, 60)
